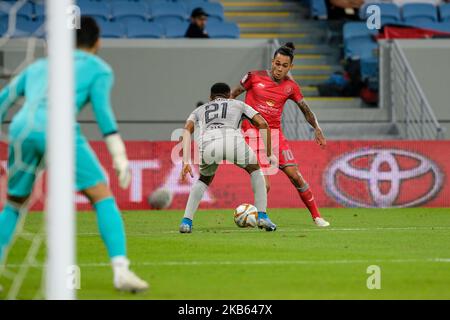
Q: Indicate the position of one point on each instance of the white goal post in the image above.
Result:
(60, 153)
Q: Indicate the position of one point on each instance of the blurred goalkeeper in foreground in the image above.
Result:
(94, 81)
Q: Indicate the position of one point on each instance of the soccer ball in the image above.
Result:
(246, 215)
(160, 199)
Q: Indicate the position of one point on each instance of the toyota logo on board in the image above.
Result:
(383, 178)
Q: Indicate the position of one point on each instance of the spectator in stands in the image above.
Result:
(343, 9)
(198, 24)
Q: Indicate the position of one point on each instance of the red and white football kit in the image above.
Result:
(268, 98)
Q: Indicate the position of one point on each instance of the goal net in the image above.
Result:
(27, 260)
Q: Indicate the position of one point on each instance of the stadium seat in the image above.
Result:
(39, 12)
(360, 48)
(26, 11)
(146, 2)
(82, 2)
(390, 13)
(26, 28)
(144, 29)
(176, 29)
(213, 9)
(353, 30)
(98, 10)
(437, 26)
(369, 72)
(126, 11)
(444, 12)
(110, 29)
(163, 13)
(369, 68)
(223, 30)
(4, 9)
(419, 12)
(188, 2)
(318, 9)
(191, 3)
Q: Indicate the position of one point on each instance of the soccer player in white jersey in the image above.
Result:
(220, 138)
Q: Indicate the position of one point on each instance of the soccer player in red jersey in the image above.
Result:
(267, 92)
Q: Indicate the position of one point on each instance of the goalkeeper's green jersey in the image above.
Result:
(94, 79)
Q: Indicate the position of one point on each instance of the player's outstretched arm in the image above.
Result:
(312, 120)
(10, 93)
(186, 141)
(100, 97)
(237, 91)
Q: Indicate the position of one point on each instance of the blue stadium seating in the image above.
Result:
(128, 18)
(354, 30)
(192, 4)
(110, 29)
(176, 29)
(358, 40)
(419, 12)
(369, 69)
(125, 11)
(82, 2)
(168, 12)
(214, 10)
(444, 12)
(437, 26)
(360, 48)
(98, 10)
(224, 30)
(4, 9)
(39, 12)
(24, 27)
(390, 13)
(188, 2)
(26, 11)
(144, 29)
(318, 9)
(3, 25)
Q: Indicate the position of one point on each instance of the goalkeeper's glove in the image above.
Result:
(116, 148)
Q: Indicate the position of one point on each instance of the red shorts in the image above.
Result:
(280, 146)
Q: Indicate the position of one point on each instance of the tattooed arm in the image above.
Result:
(237, 91)
(312, 120)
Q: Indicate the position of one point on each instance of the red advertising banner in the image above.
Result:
(374, 174)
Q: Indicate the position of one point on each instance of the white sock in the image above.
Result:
(259, 190)
(119, 263)
(195, 197)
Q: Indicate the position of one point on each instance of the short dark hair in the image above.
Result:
(220, 89)
(88, 33)
(286, 50)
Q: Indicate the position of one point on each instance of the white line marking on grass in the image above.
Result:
(280, 230)
(254, 262)
(329, 229)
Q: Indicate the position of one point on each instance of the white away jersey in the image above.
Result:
(221, 114)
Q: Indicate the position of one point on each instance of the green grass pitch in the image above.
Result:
(298, 261)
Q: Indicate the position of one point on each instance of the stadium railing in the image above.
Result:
(411, 111)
